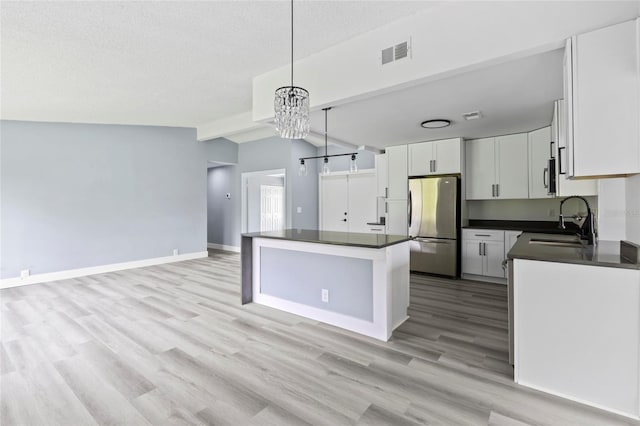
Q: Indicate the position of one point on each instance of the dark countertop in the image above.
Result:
(605, 253)
(333, 237)
(542, 226)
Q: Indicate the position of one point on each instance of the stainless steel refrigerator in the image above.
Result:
(434, 221)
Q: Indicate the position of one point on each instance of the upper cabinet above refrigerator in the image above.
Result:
(441, 157)
(602, 94)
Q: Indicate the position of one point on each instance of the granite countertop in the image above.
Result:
(354, 239)
(540, 226)
(605, 253)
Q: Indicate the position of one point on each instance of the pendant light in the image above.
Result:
(353, 166)
(291, 106)
(325, 165)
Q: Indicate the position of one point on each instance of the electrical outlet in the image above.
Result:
(325, 295)
(175, 252)
(24, 273)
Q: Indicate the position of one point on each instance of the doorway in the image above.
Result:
(264, 200)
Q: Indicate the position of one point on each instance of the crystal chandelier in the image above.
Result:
(291, 105)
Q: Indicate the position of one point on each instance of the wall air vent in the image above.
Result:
(401, 50)
(387, 55)
(396, 52)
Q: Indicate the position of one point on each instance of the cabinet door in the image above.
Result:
(334, 199)
(606, 105)
(381, 174)
(446, 154)
(493, 256)
(480, 169)
(420, 156)
(397, 172)
(539, 142)
(565, 186)
(512, 168)
(397, 217)
(361, 201)
(472, 259)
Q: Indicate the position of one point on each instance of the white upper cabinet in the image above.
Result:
(480, 169)
(512, 169)
(564, 185)
(381, 175)
(397, 184)
(602, 90)
(496, 168)
(539, 154)
(435, 157)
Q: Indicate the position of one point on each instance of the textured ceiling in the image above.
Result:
(161, 63)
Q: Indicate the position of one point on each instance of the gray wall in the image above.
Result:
(350, 287)
(221, 211)
(365, 159)
(221, 150)
(81, 195)
(304, 188)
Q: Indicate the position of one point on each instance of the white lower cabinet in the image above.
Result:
(483, 253)
(577, 332)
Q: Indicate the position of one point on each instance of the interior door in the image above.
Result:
(361, 201)
(335, 198)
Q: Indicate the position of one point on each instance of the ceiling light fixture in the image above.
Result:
(473, 115)
(291, 105)
(353, 165)
(437, 123)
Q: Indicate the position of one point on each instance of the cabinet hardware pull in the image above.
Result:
(560, 160)
(482, 235)
(386, 192)
(497, 189)
(484, 249)
(493, 189)
(544, 177)
(410, 209)
(344, 220)
(435, 165)
(479, 249)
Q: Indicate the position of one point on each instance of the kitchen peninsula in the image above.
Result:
(356, 281)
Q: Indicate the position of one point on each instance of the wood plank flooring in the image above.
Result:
(171, 344)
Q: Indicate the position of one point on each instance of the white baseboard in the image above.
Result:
(223, 247)
(83, 272)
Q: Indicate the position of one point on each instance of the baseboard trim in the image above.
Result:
(579, 400)
(83, 272)
(223, 247)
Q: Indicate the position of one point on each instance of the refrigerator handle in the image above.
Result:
(410, 208)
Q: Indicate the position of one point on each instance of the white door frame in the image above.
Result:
(244, 178)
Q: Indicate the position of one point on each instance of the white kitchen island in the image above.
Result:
(356, 281)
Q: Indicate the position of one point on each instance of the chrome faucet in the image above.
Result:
(586, 223)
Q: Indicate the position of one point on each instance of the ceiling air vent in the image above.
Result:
(394, 53)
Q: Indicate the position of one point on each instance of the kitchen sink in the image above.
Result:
(557, 243)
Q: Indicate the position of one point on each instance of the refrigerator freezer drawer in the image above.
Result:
(434, 256)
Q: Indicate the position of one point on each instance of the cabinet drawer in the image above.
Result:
(483, 234)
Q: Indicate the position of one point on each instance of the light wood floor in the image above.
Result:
(171, 344)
